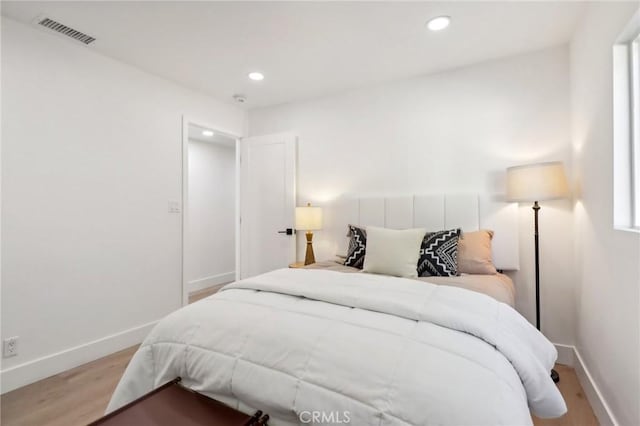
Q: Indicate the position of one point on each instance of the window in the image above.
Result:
(634, 121)
(626, 114)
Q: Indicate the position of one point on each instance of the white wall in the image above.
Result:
(210, 239)
(450, 132)
(91, 156)
(607, 260)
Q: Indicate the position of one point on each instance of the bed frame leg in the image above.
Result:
(555, 376)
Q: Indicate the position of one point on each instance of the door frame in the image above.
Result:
(186, 121)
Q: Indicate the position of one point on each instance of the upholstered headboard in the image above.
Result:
(433, 212)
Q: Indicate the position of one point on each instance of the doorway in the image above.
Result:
(210, 207)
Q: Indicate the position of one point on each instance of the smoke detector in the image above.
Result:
(240, 98)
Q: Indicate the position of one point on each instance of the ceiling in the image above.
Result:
(304, 49)
(195, 133)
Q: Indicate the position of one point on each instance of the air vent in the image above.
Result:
(64, 30)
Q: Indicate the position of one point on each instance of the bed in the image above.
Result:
(376, 349)
(329, 345)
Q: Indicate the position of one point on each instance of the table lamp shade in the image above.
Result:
(308, 218)
(537, 182)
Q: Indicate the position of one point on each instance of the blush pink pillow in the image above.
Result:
(474, 253)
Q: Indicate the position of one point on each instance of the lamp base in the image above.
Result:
(309, 257)
(555, 376)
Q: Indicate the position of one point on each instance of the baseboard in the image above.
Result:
(598, 403)
(211, 281)
(566, 354)
(41, 368)
(569, 355)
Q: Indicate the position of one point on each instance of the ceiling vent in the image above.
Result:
(64, 30)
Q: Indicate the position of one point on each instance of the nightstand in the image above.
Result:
(296, 265)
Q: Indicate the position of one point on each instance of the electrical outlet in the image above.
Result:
(10, 347)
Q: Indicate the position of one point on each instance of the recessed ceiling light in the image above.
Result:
(439, 23)
(207, 133)
(256, 76)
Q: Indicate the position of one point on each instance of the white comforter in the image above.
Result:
(370, 349)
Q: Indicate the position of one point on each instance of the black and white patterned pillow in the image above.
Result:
(357, 247)
(439, 254)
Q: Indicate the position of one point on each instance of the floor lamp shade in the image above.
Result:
(309, 219)
(537, 182)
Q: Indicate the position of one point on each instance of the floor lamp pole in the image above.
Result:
(536, 208)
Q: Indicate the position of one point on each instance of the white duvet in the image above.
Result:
(368, 349)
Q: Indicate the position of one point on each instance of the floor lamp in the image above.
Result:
(534, 183)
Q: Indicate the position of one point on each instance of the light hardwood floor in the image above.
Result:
(75, 397)
(579, 410)
(80, 395)
(197, 295)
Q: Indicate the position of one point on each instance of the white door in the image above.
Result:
(267, 203)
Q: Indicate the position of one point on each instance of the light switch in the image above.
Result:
(174, 206)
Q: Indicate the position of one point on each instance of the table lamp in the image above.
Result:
(309, 219)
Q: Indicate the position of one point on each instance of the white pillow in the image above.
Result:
(393, 252)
